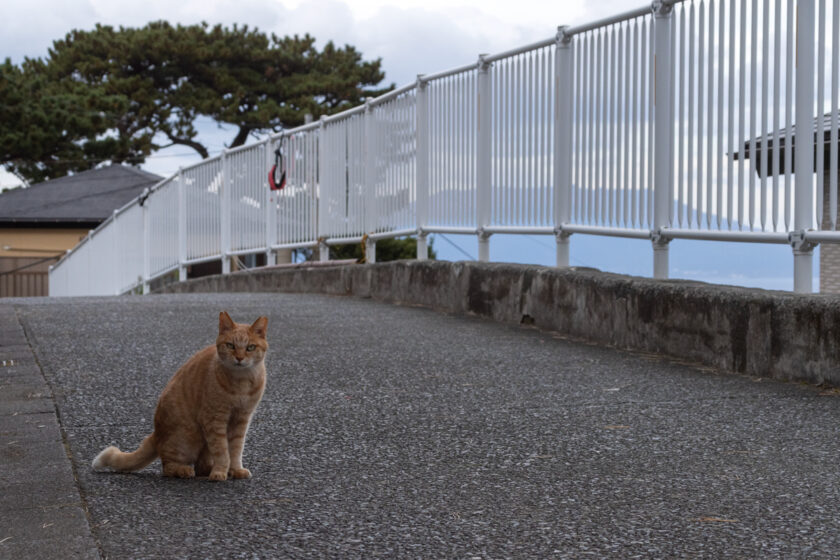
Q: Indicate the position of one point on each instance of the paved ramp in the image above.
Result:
(389, 431)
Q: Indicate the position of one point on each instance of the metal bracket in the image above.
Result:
(658, 239)
(662, 8)
(559, 233)
(421, 81)
(799, 243)
(483, 234)
(563, 39)
(483, 65)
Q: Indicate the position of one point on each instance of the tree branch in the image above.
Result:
(241, 136)
(197, 146)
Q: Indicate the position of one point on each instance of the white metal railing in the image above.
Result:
(676, 120)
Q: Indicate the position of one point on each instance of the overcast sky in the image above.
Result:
(411, 36)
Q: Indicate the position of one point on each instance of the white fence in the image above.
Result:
(677, 120)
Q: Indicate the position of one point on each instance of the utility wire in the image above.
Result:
(539, 242)
(18, 269)
(472, 258)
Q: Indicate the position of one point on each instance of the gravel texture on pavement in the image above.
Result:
(400, 432)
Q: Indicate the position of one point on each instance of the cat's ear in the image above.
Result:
(259, 326)
(225, 322)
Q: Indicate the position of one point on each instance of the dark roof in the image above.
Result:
(769, 139)
(88, 197)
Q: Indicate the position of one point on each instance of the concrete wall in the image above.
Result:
(756, 332)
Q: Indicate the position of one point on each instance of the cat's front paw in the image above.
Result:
(218, 475)
(240, 473)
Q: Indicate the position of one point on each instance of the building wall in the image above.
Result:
(829, 252)
(38, 242)
(21, 249)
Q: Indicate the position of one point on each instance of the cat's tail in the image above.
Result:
(113, 458)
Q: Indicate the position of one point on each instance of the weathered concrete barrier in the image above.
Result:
(751, 331)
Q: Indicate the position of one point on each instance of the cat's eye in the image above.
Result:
(230, 345)
(251, 347)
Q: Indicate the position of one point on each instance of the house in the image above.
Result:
(40, 223)
(829, 252)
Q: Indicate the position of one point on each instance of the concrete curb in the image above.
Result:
(41, 513)
(751, 331)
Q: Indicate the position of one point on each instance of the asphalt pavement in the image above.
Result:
(398, 432)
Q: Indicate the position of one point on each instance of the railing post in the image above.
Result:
(147, 242)
(182, 227)
(114, 260)
(370, 250)
(371, 219)
(422, 167)
(323, 248)
(563, 125)
(803, 251)
(270, 209)
(663, 129)
(224, 207)
(483, 161)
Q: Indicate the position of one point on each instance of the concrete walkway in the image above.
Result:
(41, 513)
(400, 432)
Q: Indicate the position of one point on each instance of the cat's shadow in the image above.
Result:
(153, 476)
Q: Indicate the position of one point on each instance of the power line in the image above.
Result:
(539, 241)
(472, 258)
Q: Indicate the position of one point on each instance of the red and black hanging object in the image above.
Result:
(277, 185)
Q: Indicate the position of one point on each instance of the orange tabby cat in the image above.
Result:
(204, 412)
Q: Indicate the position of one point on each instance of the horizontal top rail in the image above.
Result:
(426, 78)
(200, 163)
(344, 114)
(229, 151)
(520, 50)
(606, 22)
(385, 97)
(288, 132)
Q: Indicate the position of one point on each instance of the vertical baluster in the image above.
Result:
(628, 126)
(608, 150)
(680, 101)
(672, 182)
(528, 124)
(820, 152)
(644, 95)
(598, 183)
(549, 100)
(578, 121)
(742, 96)
(651, 78)
(634, 120)
(833, 146)
(587, 89)
(730, 183)
(789, 117)
(719, 133)
(508, 142)
(710, 125)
